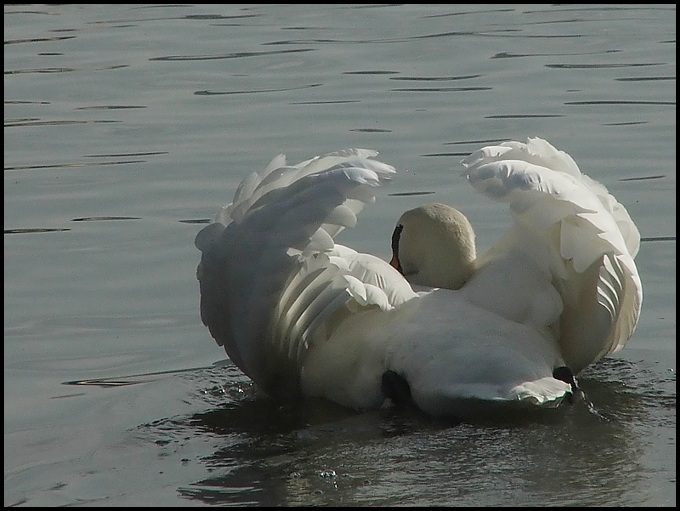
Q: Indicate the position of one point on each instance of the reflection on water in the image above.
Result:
(317, 453)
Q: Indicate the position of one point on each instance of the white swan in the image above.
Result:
(438, 326)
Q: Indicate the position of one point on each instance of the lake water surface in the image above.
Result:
(127, 126)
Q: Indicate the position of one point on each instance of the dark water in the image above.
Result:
(317, 454)
(127, 126)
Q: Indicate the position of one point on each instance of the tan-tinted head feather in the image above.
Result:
(436, 246)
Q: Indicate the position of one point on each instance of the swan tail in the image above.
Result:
(471, 400)
(546, 392)
(577, 234)
(267, 281)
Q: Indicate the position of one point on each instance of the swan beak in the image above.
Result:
(394, 263)
(396, 235)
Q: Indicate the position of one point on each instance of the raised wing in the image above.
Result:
(272, 279)
(579, 238)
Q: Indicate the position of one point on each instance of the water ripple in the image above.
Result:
(125, 155)
(223, 93)
(39, 39)
(103, 218)
(41, 70)
(70, 165)
(33, 230)
(371, 72)
(442, 89)
(523, 116)
(619, 102)
(645, 78)
(602, 66)
(435, 78)
(25, 102)
(110, 107)
(659, 176)
(328, 102)
(235, 55)
(659, 238)
(61, 122)
(371, 130)
(463, 13)
(510, 55)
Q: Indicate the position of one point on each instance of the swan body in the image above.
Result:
(449, 331)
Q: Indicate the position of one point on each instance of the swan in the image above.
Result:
(438, 326)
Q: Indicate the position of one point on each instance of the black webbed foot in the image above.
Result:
(566, 375)
(395, 387)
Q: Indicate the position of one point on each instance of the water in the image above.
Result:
(126, 127)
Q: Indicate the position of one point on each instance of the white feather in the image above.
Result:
(302, 315)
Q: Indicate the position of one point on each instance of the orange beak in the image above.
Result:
(394, 263)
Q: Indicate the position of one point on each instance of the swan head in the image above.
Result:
(434, 245)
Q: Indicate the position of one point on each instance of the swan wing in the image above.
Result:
(572, 237)
(273, 281)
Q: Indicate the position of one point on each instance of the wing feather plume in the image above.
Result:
(570, 225)
(272, 278)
